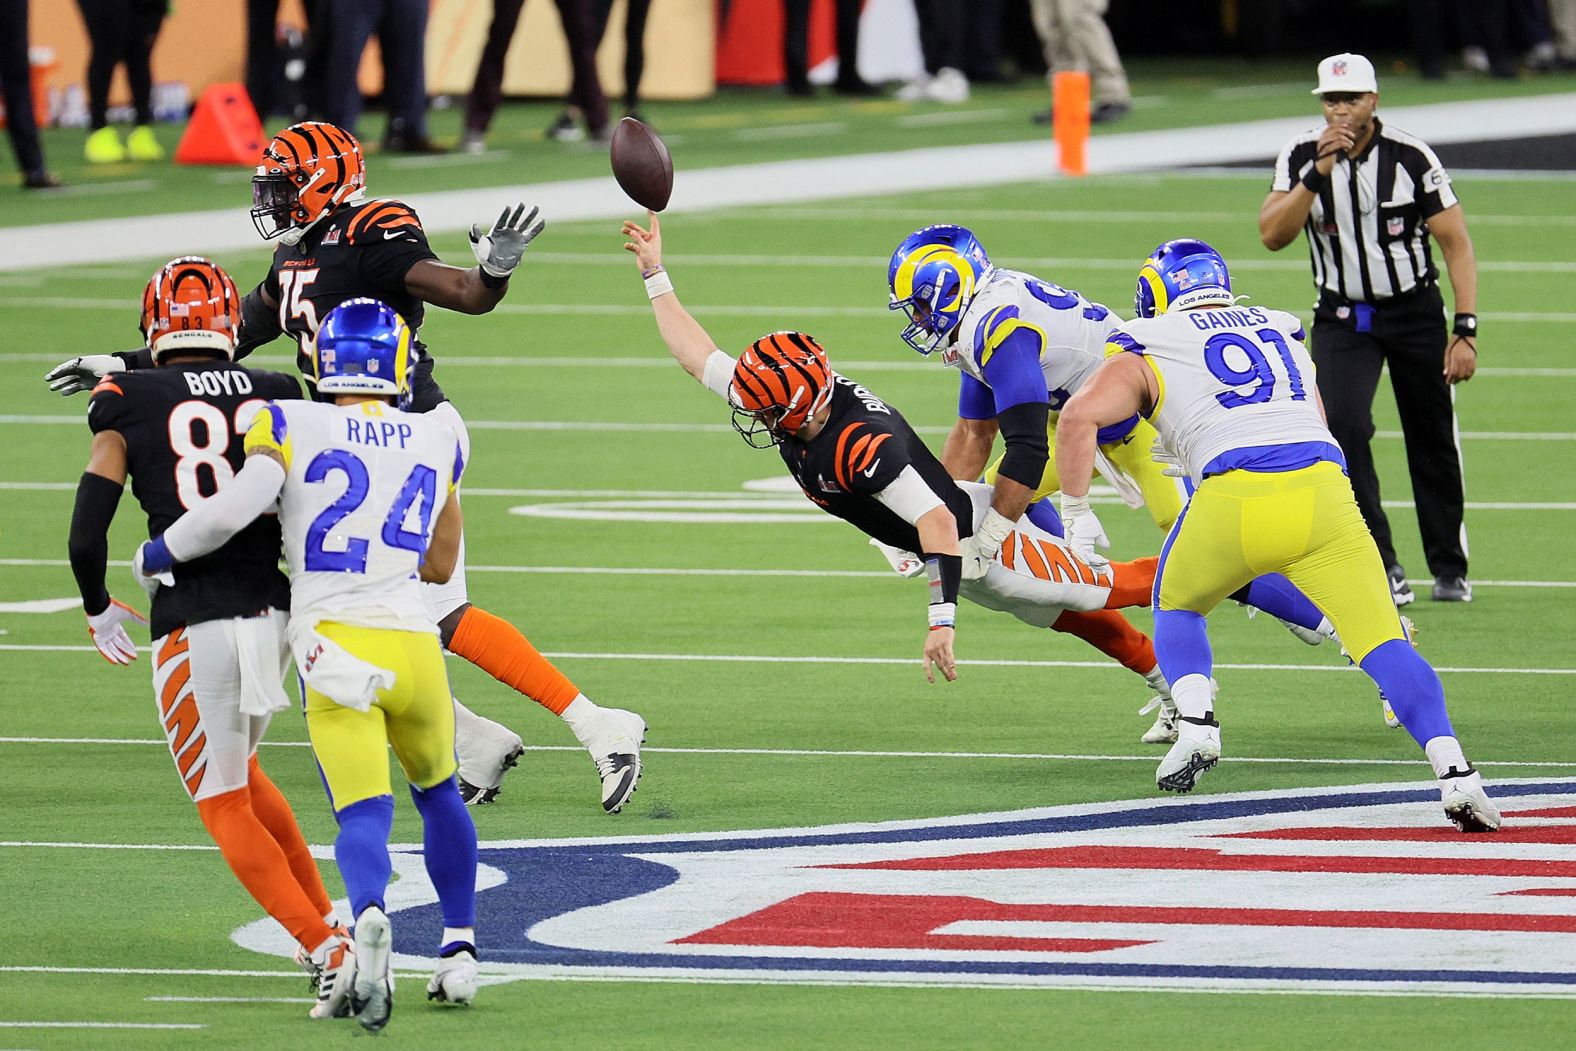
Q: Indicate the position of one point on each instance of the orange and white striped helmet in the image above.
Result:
(306, 171)
(191, 304)
(779, 383)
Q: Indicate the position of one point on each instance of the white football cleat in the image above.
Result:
(1165, 729)
(614, 742)
(455, 980)
(333, 969)
(1197, 750)
(372, 990)
(1311, 636)
(486, 751)
(1466, 804)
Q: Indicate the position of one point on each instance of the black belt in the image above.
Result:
(1331, 302)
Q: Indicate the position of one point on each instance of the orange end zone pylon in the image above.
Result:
(224, 129)
(1070, 101)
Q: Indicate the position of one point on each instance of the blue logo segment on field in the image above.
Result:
(1363, 889)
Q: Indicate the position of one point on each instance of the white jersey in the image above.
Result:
(1231, 379)
(363, 487)
(1072, 331)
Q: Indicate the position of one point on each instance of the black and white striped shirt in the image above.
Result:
(1368, 229)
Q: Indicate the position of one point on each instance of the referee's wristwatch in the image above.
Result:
(1464, 325)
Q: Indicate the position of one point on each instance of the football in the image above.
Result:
(641, 164)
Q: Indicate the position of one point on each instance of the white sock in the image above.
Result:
(457, 934)
(1325, 628)
(1195, 697)
(1155, 678)
(1445, 755)
(581, 715)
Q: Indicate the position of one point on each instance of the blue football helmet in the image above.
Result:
(933, 275)
(1181, 274)
(364, 347)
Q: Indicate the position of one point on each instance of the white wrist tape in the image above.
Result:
(658, 284)
(1073, 506)
(943, 614)
(993, 529)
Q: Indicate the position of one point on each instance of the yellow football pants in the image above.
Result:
(416, 716)
(1304, 524)
(1163, 495)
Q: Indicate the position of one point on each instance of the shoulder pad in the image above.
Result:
(856, 450)
(383, 220)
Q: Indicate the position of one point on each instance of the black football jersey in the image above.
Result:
(183, 426)
(862, 449)
(357, 250)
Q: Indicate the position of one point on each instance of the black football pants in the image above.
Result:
(1409, 336)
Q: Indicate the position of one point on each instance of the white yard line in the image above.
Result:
(664, 427)
(743, 658)
(789, 182)
(100, 1025)
(229, 999)
(830, 753)
(702, 571)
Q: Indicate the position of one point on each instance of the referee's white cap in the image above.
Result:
(1346, 72)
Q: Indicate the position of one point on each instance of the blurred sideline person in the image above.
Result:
(566, 128)
(219, 626)
(943, 39)
(121, 32)
(585, 90)
(332, 244)
(796, 49)
(1229, 390)
(16, 90)
(1023, 347)
(1075, 37)
(384, 481)
(401, 26)
(1368, 196)
(856, 458)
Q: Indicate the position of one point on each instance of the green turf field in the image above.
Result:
(573, 402)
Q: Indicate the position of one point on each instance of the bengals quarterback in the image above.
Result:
(856, 457)
(333, 244)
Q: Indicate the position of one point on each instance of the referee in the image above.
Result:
(1368, 196)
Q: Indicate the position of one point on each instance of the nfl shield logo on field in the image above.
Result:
(1362, 889)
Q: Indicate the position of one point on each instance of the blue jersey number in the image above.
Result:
(1058, 298)
(1259, 373)
(420, 488)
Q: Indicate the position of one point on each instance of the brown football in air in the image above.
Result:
(641, 164)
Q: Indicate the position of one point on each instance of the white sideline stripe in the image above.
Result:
(790, 131)
(922, 215)
(657, 571)
(219, 231)
(229, 999)
(745, 658)
(833, 753)
(640, 310)
(101, 1025)
(631, 427)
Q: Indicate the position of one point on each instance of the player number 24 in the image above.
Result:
(1259, 372)
(420, 488)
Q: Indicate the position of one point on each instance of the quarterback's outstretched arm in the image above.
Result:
(687, 341)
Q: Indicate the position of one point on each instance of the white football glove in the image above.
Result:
(980, 550)
(149, 582)
(499, 250)
(1084, 531)
(1160, 454)
(108, 632)
(80, 374)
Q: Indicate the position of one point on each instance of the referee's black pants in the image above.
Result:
(1407, 334)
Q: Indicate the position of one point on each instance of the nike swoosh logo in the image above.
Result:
(389, 235)
(871, 471)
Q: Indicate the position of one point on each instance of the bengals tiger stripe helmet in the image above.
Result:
(191, 304)
(306, 171)
(778, 385)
